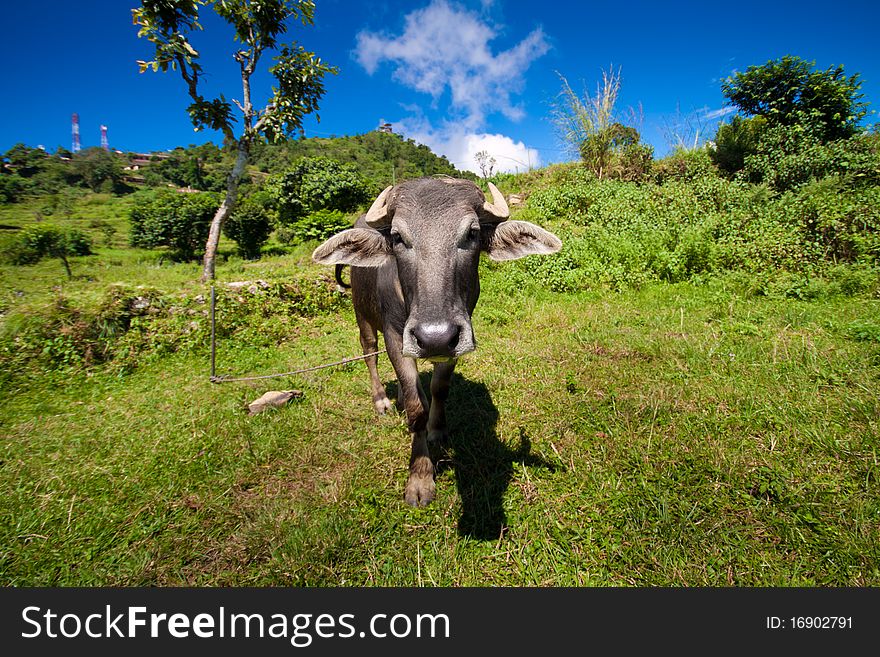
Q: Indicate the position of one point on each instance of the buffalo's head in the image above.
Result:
(433, 231)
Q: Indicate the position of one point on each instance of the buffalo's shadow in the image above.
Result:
(483, 465)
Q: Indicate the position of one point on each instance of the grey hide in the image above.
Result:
(415, 278)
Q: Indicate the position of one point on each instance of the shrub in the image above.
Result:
(317, 184)
(734, 141)
(320, 225)
(684, 164)
(12, 188)
(789, 156)
(635, 162)
(45, 240)
(178, 221)
(250, 224)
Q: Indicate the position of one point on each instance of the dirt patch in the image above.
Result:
(617, 354)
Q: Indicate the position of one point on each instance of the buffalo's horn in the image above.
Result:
(498, 207)
(377, 215)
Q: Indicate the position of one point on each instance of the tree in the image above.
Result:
(317, 183)
(41, 241)
(99, 169)
(486, 163)
(299, 75)
(178, 221)
(250, 225)
(788, 91)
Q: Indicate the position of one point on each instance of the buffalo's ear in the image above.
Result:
(510, 240)
(360, 247)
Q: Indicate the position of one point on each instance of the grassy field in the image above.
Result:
(688, 434)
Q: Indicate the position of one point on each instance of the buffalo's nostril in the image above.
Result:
(437, 339)
(453, 340)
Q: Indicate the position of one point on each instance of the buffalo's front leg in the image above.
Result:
(419, 489)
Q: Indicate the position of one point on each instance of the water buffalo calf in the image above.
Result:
(415, 277)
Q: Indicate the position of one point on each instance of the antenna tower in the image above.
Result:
(104, 143)
(75, 132)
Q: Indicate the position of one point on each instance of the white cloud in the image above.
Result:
(446, 47)
(459, 146)
(718, 113)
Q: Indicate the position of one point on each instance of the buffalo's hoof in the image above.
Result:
(419, 490)
(382, 405)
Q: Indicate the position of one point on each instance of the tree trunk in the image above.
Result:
(66, 265)
(225, 208)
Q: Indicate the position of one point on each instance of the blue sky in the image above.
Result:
(458, 75)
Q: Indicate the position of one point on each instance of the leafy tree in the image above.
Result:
(12, 187)
(789, 91)
(250, 225)
(178, 221)
(24, 160)
(317, 183)
(44, 240)
(317, 225)
(100, 170)
(299, 74)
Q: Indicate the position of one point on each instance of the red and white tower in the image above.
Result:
(75, 132)
(104, 143)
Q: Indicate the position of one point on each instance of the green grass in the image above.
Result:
(676, 435)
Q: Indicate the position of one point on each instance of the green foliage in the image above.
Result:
(317, 183)
(250, 224)
(788, 156)
(685, 165)
(320, 224)
(196, 167)
(380, 158)
(12, 187)
(168, 26)
(174, 220)
(28, 171)
(734, 141)
(635, 162)
(691, 222)
(789, 92)
(47, 241)
(131, 325)
(100, 170)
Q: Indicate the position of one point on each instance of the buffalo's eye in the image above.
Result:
(474, 233)
(396, 239)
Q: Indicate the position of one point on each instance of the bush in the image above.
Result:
(789, 156)
(635, 162)
(320, 225)
(735, 141)
(12, 188)
(250, 224)
(178, 221)
(45, 240)
(684, 164)
(317, 184)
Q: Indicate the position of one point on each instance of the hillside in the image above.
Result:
(381, 158)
